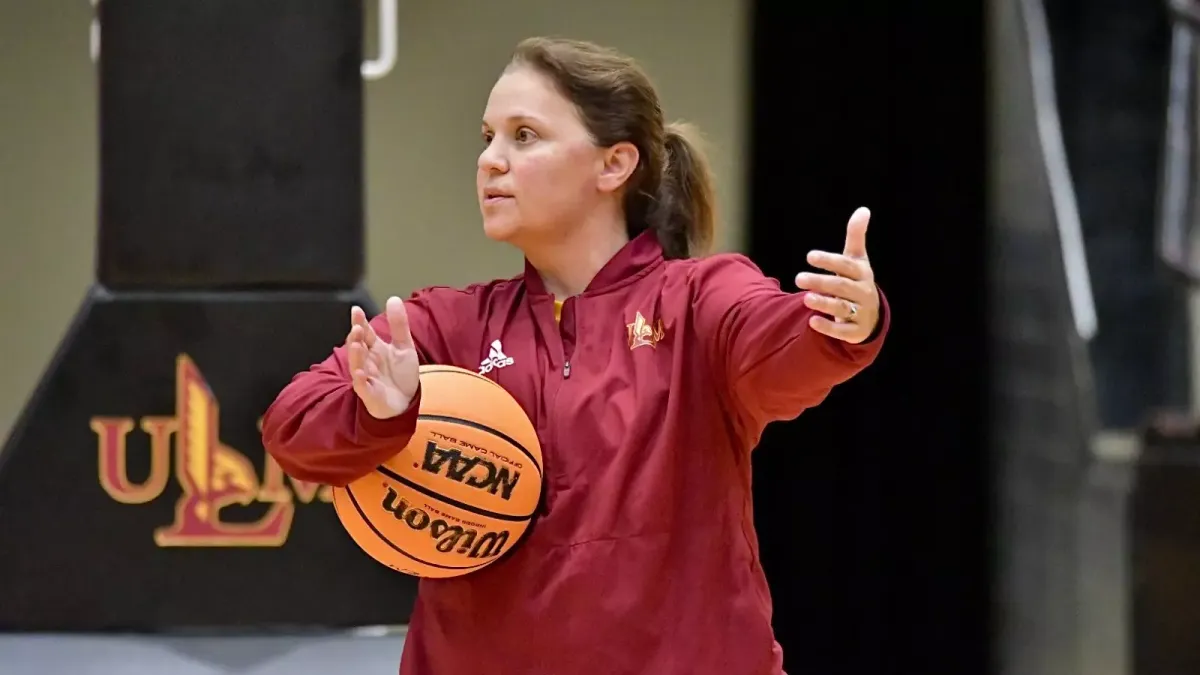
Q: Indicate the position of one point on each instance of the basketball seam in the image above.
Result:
(464, 371)
(428, 492)
(483, 427)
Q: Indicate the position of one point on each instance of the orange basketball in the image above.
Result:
(461, 493)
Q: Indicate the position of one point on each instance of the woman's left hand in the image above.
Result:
(849, 294)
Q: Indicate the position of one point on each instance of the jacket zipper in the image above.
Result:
(566, 369)
(552, 427)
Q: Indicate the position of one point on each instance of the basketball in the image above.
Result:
(461, 493)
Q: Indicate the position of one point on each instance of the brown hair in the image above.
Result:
(671, 191)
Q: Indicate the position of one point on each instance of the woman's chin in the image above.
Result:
(500, 229)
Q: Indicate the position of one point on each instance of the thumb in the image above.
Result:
(397, 318)
(856, 233)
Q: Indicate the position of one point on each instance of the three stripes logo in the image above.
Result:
(496, 358)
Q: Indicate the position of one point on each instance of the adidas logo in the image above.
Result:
(496, 358)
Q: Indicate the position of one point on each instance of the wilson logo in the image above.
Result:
(475, 472)
(462, 540)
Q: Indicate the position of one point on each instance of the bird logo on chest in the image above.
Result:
(643, 333)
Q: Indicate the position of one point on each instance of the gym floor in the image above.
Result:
(228, 655)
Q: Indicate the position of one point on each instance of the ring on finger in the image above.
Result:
(852, 311)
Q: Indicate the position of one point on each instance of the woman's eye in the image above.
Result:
(525, 135)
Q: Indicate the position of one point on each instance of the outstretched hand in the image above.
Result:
(848, 295)
(385, 375)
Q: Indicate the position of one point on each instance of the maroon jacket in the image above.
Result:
(648, 397)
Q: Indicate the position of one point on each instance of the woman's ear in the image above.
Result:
(620, 161)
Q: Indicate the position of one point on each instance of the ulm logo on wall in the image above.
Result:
(211, 475)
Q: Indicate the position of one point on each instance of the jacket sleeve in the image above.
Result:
(317, 428)
(773, 364)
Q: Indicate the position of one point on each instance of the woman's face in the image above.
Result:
(540, 170)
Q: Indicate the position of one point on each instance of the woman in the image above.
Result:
(648, 371)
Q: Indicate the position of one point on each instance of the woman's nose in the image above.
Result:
(492, 159)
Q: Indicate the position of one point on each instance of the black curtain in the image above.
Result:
(1110, 63)
(872, 509)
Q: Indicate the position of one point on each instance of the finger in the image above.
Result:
(397, 317)
(356, 357)
(358, 319)
(856, 233)
(842, 265)
(360, 382)
(363, 386)
(365, 382)
(371, 368)
(835, 307)
(846, 332)
(838, 287)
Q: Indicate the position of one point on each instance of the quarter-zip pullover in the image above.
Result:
(649, 391)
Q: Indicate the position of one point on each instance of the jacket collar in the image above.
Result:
(641, 253)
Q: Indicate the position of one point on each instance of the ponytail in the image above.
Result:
(684, 211)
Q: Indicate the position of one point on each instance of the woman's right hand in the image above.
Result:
(385, 376)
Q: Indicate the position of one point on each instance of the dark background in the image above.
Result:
(872, 508)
